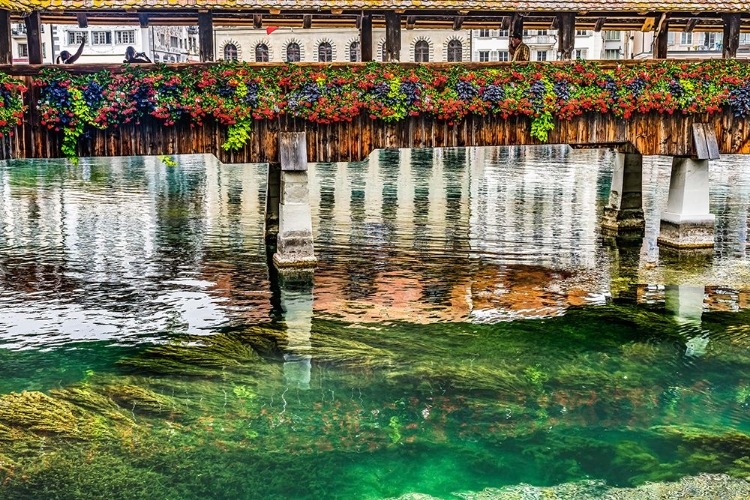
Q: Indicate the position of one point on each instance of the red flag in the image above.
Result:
(271, 29)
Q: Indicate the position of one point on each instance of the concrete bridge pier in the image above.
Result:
(687, 223)
(296, 292)
(624, 211)
(685, 303)
(294, 241)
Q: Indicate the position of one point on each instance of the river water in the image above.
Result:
(468, 329)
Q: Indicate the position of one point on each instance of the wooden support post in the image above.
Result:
(206, 36)
(307, 21)
(34, 37)
(410, 22)
(143, 20)
(6, 55)
(599, 24)
(365, 37)
(566, 23)
(458, 21)
(690, 25)
(83, 21)
(731, 35)
(392, 37)
(505, 23)
(662, 34)
(516, 24)
(257, 21)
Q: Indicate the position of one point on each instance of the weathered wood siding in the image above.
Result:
(650, 134)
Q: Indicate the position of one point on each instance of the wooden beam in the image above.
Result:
(410, 22)
(458, 21)
(648, 24)
(662, 34)
(307, 21)
(206, 36)
(516, 24)
(83, 21)
(257, 21)
(143, 19)
(6, 42)
(690, 25)
(566, 35)
(731, 35)
(34, 37)
(392, 36)
(600, 24)
(555, 23)
(505, 23)
(365, 37)
(274, 12)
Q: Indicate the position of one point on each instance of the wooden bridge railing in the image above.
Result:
(649, 134)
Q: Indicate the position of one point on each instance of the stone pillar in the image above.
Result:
(686, 223)
(624, 212)
(273, 193)
(297, 311)
(685, 303)
(294, 243)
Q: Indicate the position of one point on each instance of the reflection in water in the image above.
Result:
(467, 326)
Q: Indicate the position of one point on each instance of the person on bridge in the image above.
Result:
(131, 57)
(66, 58)
(520, 50)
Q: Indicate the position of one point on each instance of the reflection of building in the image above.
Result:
(324, 45)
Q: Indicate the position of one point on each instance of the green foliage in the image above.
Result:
(168, 160)
(541, 126)
(395, 430)
(237, 135)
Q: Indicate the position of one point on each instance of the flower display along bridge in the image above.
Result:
(691, 110)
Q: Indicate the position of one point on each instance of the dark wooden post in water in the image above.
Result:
(6, 48)
(34, 37)
(566, 24)
(206, 36)
(294, 243)
(662, 37)
(365, 37)
(731, 35)
(392, 37)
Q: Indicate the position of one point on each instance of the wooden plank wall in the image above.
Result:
(650, 134)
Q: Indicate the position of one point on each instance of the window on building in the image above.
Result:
(686, 39)
(172, 59)
(161, 39)
(383, 52)
(503, 33)
(541, 32)
(484, 56)
(580, 54)
(125, 37)
(541, 55)
(712, 41)
(484, 33)
(156, 57)
(526, 33)
(611, 53)
(261, 52)
(354, 53)
(181, 46)
(293, 52)
(325, 52)
(455, 51)
(582, 32)
(173, 41)
(744, 38)
(101, 38)
(612, 35)
(422, 51)
(503, 55)
(74, 37)
(230, 52)
(23, 50)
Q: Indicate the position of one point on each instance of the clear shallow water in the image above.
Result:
(467, 327)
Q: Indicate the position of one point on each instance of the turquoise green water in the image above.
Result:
(467, 327)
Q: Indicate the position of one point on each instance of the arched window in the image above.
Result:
(354, 54)
(230, 52)
(455, 51)
(261, 52)
(422, 51)
(156, 57)
(325, 52)
(292, 52)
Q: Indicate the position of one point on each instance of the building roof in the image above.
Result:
(621, 6)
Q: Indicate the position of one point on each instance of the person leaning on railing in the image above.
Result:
(66, 58)
(133, 57)
(520, 50)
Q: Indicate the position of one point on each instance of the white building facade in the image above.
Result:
(492, 45)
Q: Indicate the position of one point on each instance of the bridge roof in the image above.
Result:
(530, 6)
